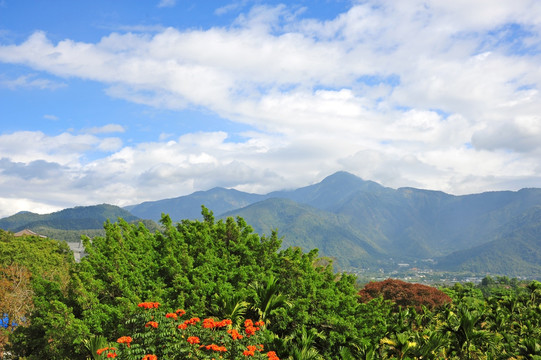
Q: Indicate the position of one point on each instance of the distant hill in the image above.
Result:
(308, 227)
(332, 191)
(363, 224)
(358, 223)
(516, 250)
(67, 224)
(217, 199)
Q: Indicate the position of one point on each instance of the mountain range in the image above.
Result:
(361, 224)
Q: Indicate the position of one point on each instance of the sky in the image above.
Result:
(121, 101)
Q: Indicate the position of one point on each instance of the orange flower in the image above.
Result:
(150, 357)
(154, 324)
(250, 330)
(260, 323)
(192, 321)
(100, 351)
(272, 355)
(125, 340)
(248, 323)
(193, 340)
(171, 315)
(215, 347)
(149, 305)
(248, 353)
(180, 312)
(110, 354)
(223, 323)
(234, 334)
(208, 323)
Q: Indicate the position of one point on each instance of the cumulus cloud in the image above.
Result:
(109, 128)
(37, 169)
(29, 82)
(521, 134)
(439, 95)
(167, 3)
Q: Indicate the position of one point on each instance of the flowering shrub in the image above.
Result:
(160, 336)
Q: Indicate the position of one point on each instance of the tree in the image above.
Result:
(405, 294)
(267, 299)
(26, 264)
(15, 299)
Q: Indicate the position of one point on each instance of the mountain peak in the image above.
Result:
(344, 177)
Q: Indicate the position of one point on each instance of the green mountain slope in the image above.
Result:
(78, 218)
(516, 251)
(308, 227)
(218, 200)
(331, 191)
(357, 222)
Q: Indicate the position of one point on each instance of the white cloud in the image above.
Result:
(167, 3)
(109, 128)
(110, 144)
(30, 82)
(409, 93)
(50, 117)
(10, 206)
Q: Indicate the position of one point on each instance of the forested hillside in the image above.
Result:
(70, 224)
(219, 200)
(363, 224)
(77, 218)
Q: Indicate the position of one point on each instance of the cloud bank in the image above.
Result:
(430, 94)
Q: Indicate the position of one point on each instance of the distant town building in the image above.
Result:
(78, 250)
(76, 247)
(28, 232)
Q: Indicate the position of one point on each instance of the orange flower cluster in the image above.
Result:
(125, 340)
(209, 323)
(192, 321)
(110, 354)
(251, 349)
(214, 347)
(250, 329)
(154, 324)
(234, 334)
(149, 305)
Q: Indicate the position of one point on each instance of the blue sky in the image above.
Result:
(122, 102)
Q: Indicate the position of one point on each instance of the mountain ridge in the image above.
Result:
(361, 223)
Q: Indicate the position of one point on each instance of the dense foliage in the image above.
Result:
(31, 270)
(223, 272)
